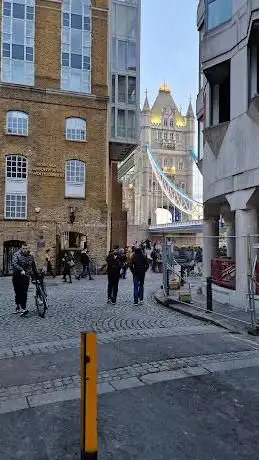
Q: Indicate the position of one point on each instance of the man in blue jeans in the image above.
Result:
(139, 266)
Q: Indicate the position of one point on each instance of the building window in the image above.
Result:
(16, 167)
(171, 122)
(180, 165)
(75, 129)
(15, 206)
(121, 89)
(121, 123)
(218, 12)
(183, 186)
(253, 61)
(165, 135)
(16, 171)
(17, 49)
(171, 136)
(75, 179)
(131, 125)
(200, 139)
(219, 79)
(76, 46)
(165, 123)
(17, 123)
(132, 90)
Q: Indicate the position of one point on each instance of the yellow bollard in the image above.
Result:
(89, 437)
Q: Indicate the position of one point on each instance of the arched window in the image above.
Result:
(17, 123)
(75, 179)
(171, 122)
(76, 46)
(183, 186)
(75, 129)
(16, 172)
(165, 122)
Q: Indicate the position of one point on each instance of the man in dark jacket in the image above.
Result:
(113, 269)
(85, 261)
(23, 268)
(139, 266)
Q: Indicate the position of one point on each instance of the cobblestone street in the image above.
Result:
(163, 377)
(81, 306)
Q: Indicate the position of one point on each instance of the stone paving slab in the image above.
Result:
(68, 388)
(104, 338)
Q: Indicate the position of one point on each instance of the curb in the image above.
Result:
(194, 314)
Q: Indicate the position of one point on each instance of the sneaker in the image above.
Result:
(24, 312)
(113, 302)
(109, 301)
(17, 310)
(135, 303)
(141, 302)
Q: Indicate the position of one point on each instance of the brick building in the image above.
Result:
(55, 166)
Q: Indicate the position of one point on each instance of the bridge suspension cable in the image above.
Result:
(176, 197)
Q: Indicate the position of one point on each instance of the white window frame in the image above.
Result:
(76, 129)
(75, 180)
(16, 185)
(70, 74)
(11, 67)
(12, 123)
(13, 198)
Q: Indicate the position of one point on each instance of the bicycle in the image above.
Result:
(41, 295)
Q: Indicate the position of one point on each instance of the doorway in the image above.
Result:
(10, 247)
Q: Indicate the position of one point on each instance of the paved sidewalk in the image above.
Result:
(169, 386)
(234, 318)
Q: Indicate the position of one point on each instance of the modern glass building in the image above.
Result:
(124, 77)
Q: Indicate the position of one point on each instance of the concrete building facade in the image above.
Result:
(56, 151)
(228, 117)
(171, 136)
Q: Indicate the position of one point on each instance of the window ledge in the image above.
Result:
(17, 135)
(77, 140)
(20, 219)
(74, 198)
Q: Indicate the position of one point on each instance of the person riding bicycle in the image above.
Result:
(24, 268)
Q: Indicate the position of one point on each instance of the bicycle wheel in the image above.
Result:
(41, 302)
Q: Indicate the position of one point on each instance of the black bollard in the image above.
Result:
(182, 275)
(209, 293)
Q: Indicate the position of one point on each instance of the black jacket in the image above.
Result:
(84, 258)
(114, 264)
(139, 264)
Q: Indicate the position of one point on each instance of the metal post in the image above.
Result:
(89, 447)
(167, 283)
(209, 293)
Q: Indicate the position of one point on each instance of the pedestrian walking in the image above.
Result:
(23, 268)
(113, 269)
(154, 257)
(198, 260)
(123, 263)
(68, 265)
(49, 268)
(85, 261)
(139, 266)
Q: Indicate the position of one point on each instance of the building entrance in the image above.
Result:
(10, 247)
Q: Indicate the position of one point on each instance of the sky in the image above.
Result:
(170, 53)
(169, 49)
